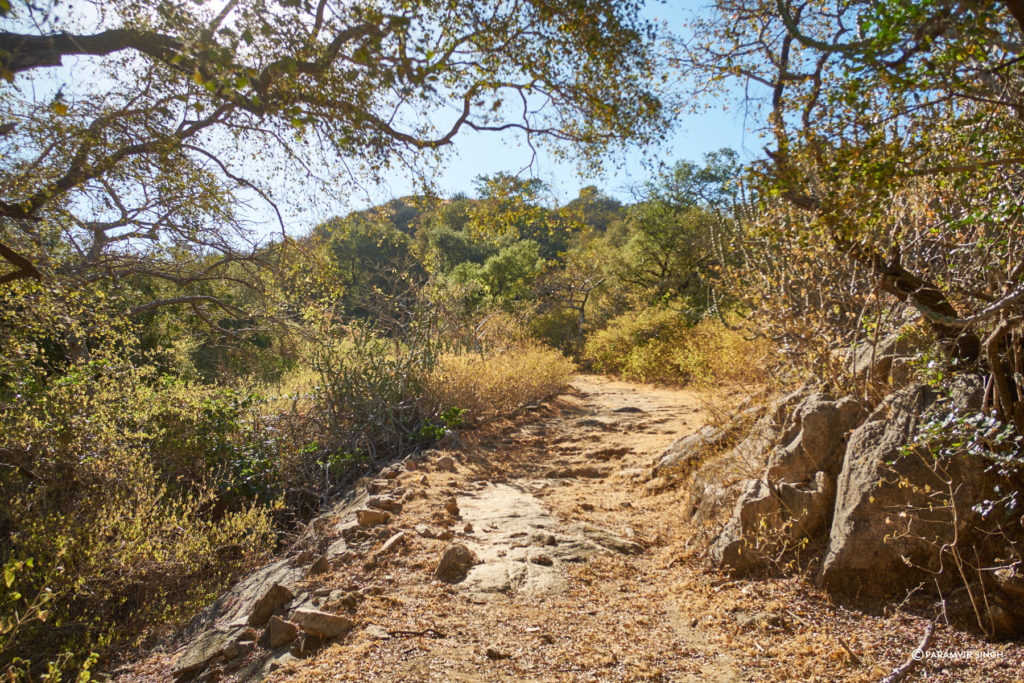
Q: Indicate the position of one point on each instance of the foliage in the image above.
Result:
(105, 492)
(657, 345)
(897, 144)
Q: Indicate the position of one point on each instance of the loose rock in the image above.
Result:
(279, 632)
(367, 517)
(322, 624)
(445, 464)
(455, 563)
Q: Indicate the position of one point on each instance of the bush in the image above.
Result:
(658, 345)
(495, 383)
(114, 481)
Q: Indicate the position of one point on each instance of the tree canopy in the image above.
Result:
(180, 113)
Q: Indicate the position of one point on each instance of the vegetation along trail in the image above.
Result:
(577, 569)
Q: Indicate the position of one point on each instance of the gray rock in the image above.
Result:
(771, 519)
(757, 510)
(454, 563)
(808, 507)
(211, 645)
(607, 540)
(880, 363)
(322, 624)
(820, 427)
(687, 452)
(276, 597)
(235, 606)
(874, 550)
(279, 632)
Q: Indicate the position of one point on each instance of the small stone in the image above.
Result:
(468, 528)
(322, 624)
(451, 506)
(445, 464)
(425, 531)
(367, 517)
(454, 563)
(390, 472)
(304, 557)
(424, 481)
(274, 599)
(411, 465)
(446, 535)
(279, 632)
(495, 655)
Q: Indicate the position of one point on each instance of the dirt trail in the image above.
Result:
(582, 572)
(571, 584)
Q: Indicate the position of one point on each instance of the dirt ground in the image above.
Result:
(587, 575)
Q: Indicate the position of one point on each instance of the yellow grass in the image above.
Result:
(498, 383)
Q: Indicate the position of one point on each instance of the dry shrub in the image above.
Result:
(497, 383)
(659, 345)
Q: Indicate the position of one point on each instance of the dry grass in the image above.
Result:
(494, 384)
(657, 345)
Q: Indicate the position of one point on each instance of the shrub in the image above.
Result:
(658, 345)
(495, 383)
(113, 480)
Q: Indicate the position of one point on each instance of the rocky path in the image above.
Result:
(567, 582)
(539, 550)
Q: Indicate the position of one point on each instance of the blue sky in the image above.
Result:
(475, 154)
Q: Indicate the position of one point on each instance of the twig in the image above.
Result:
(900, 672)
(854, 659)
(411, 634)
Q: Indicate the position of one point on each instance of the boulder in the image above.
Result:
(719, 482)
(892, 514)
(276, 597)
(322, 624)
(883, 363)
(687, 452)
(454, 563)
(818, 427)
(771, 518)
(737, 547)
